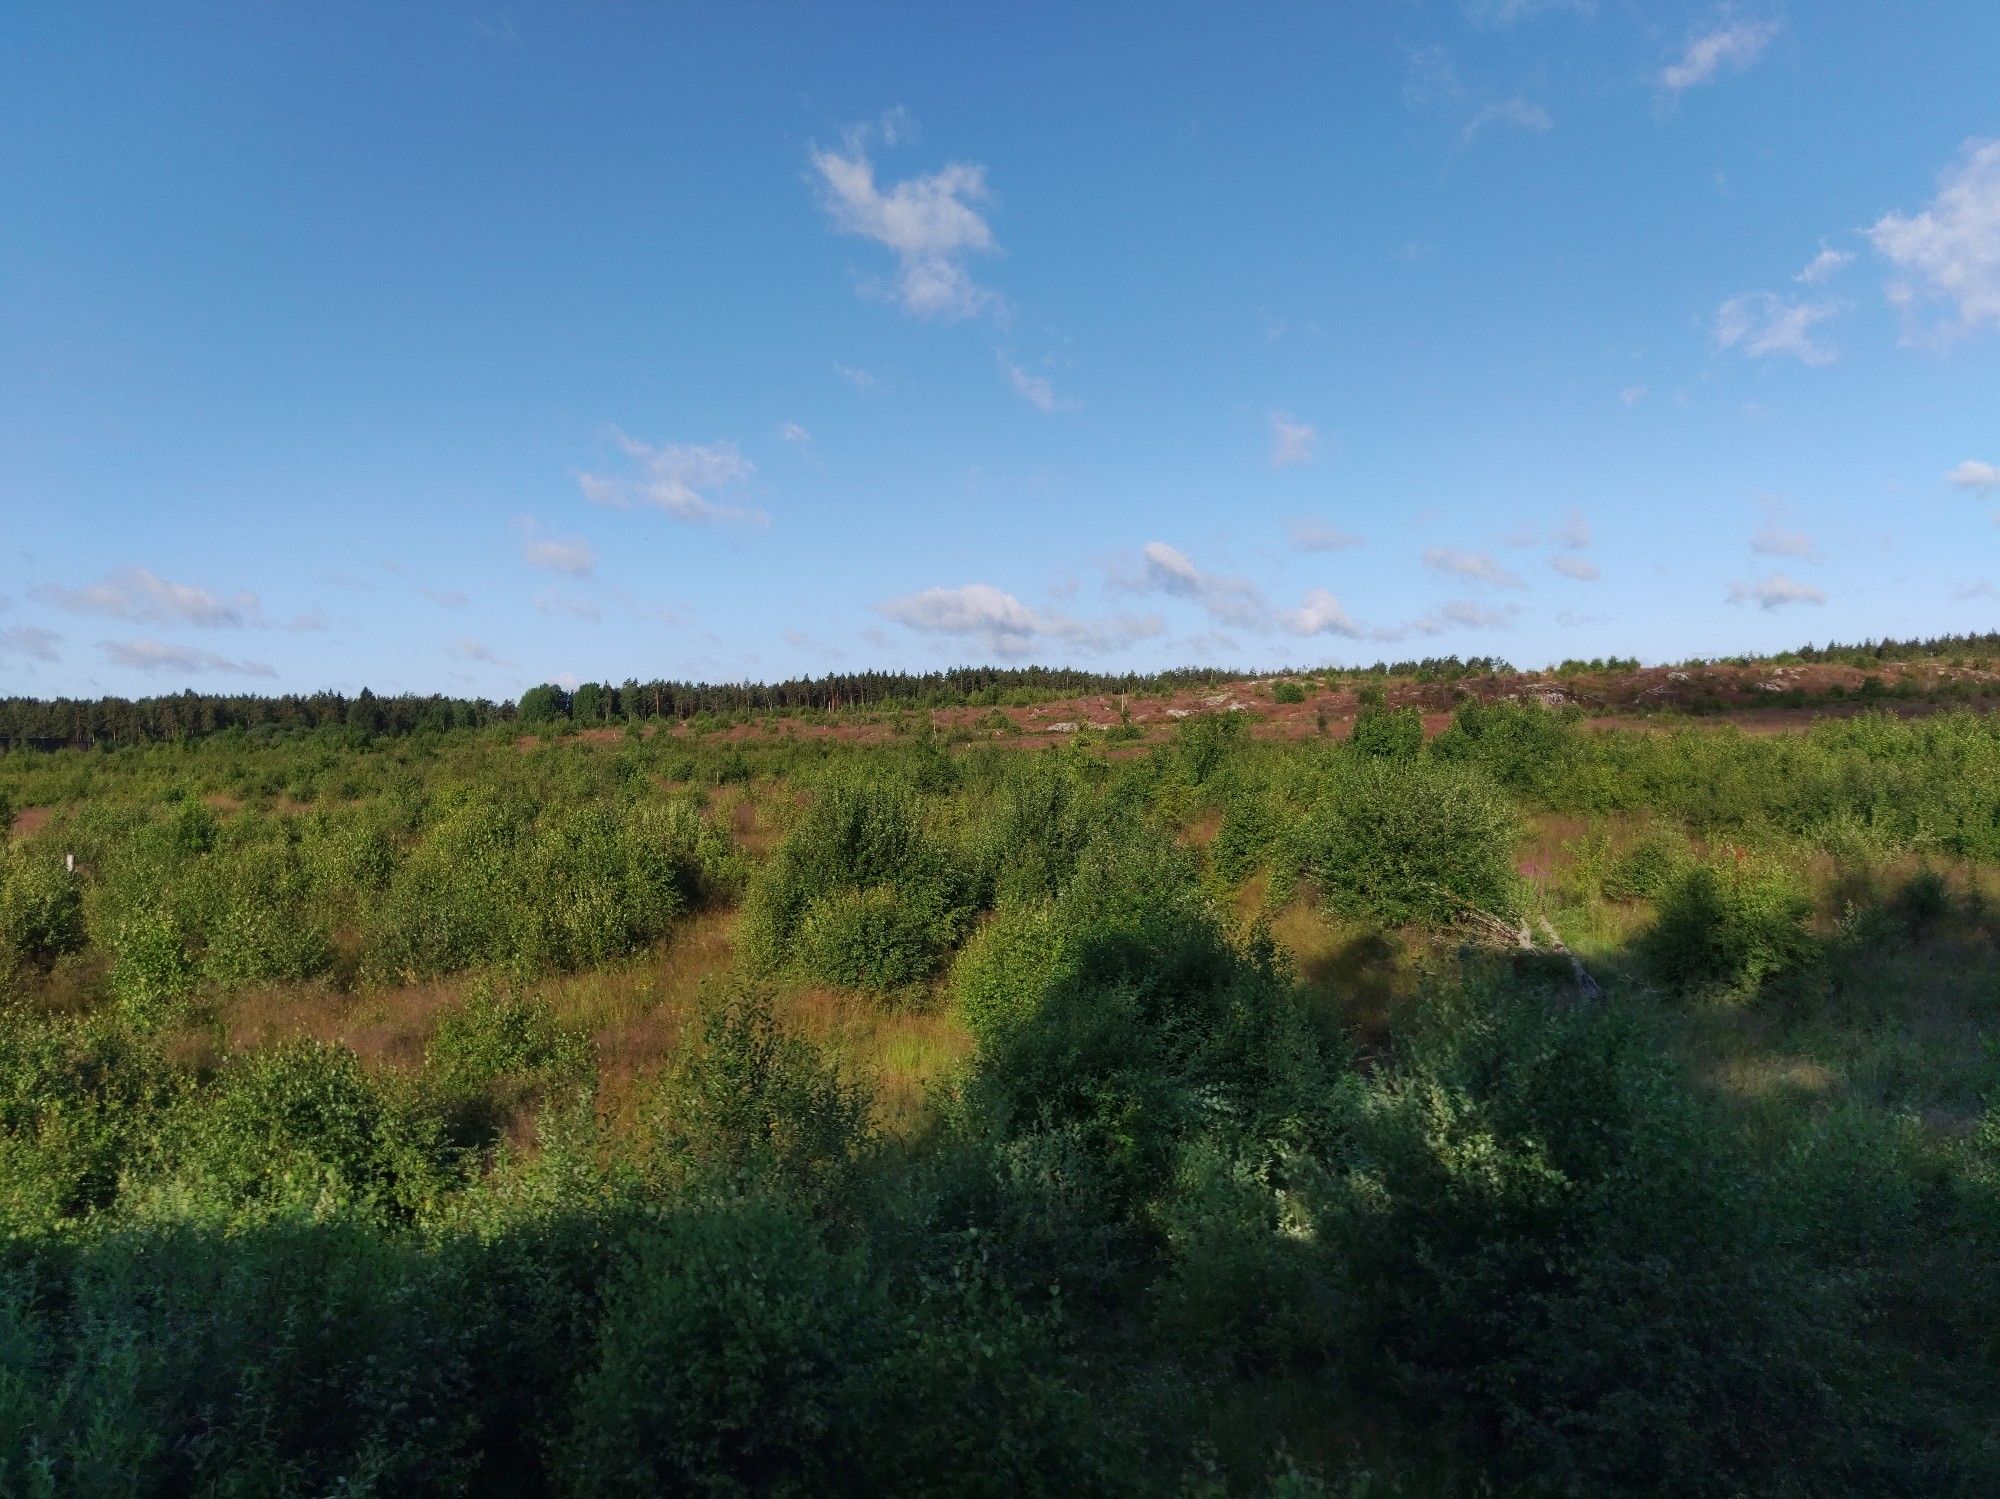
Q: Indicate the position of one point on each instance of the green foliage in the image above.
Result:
(1648, 868)
(1408, 840)
(297, 1132)
(501, 1048)
(543, 704)
(1734, 924)
(1386, 733)
(1288, 692)
(859, 892)
(41, 907)
(750, 1104)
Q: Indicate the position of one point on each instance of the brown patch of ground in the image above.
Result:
(30, 820)
(1760, 698)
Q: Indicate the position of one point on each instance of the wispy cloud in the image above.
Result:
(683, 479)
(549, 601)
(1734, 47)
(1430, 77)
(1008, 628)
(465, 648)
(1773, 540)
(1228, 600)
(932, 223)
(571, 556)
(1759, 324)
(446, 598)
(860, 379)
(1948, 253)
(29, 643)
(1521, 114)
(1775, 591)
(1631, 395)
(1292, 441)
(1975, 475)
(143, 596)
(793, 432)
(1572, 566)
(156, 656)
(1481, 567)
(1310, 535)
(1036, 390)
(1824, 266)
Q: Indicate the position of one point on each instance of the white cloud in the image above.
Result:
(793, 432)
(860, 379)
(1574, 533)
(1231, 601)
(1467, 615)
(931, 223)
(158, 656)
(1775, 541)
(1519, 112)
(1292, 441)
(1972, 474)
(139, 594)
(1735, 46)
(1036, 389)
(1320, 613)
(1775, 592)
(446, 598)
(1949, 252)
(1632, 395)
(1580, 568)
(1310, 535)
(680, 478)
(1980, 590)
(29, 642)
(1760, 324)
(1823, 266)
(570, 555)
(1481, 567)
(1006, 626)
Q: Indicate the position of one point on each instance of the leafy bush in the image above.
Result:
(1409, 840)
(750, 1104)
(1646, 869)
(297, 1132)
(41, 908)
(1734, 924)
(858, 870)
(876, 938)
(1288, 692)
(1387, 733)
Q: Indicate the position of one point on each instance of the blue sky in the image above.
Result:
(459, 348)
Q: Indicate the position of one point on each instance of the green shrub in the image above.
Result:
(1007, 966)
(876, 938)
(1734, 924)
(749, 1104)
(41, 907)
(1386, 733)
(1646, 869)
(298, 1132)
(502, 1041)
(1403, 840)
(1288, 692)
(859, 869)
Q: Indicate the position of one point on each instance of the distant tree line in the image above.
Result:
(110, 722)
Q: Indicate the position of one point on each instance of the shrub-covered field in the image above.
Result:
(650, 1113)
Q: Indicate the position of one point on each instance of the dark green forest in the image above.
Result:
(1523, 1107)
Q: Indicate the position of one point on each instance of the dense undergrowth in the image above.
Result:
(1183, 1220)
